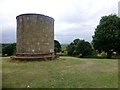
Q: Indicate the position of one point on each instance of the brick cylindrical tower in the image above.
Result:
(35, 35)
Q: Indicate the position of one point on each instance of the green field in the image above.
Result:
(64, 72)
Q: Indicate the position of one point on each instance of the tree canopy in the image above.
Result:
(57, 46)
(107, 34)
(80, 48)
(8, 49)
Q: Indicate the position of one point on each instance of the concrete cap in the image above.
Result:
(27, 14)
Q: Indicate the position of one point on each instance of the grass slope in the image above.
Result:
(65, 72)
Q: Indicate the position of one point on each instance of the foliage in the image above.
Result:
(107, 35)
(84, 48)
(8, 49)
(57, 46)
(80, 48)
(70, 49)
(102, 55)
(64, 49)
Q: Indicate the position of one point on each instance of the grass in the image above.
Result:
(65, 72)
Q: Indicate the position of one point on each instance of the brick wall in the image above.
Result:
(35, 33)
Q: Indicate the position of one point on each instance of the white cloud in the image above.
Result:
(73, 18)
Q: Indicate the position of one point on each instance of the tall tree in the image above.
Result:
(57, 46)
(107, 35)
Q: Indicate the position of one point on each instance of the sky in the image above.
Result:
(73, 18)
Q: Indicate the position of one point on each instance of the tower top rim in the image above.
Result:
(27, 14)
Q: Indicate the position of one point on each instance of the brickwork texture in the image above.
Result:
(35, 33)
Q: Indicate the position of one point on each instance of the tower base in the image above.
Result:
(34, 56)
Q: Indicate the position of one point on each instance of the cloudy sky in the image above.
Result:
(73, 18)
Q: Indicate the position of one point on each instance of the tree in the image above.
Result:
(8, 49)
(107, 35)
(70, 49)
(84, 49)
(76, 41)
(57, 46)
(80, 48)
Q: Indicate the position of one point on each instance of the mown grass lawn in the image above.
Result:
(65, 72)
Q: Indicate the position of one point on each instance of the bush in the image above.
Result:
(94, 54)
(8, 49)
(102, 55)
(79, 48)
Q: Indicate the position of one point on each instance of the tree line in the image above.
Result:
(10, 48)
(106, 40)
